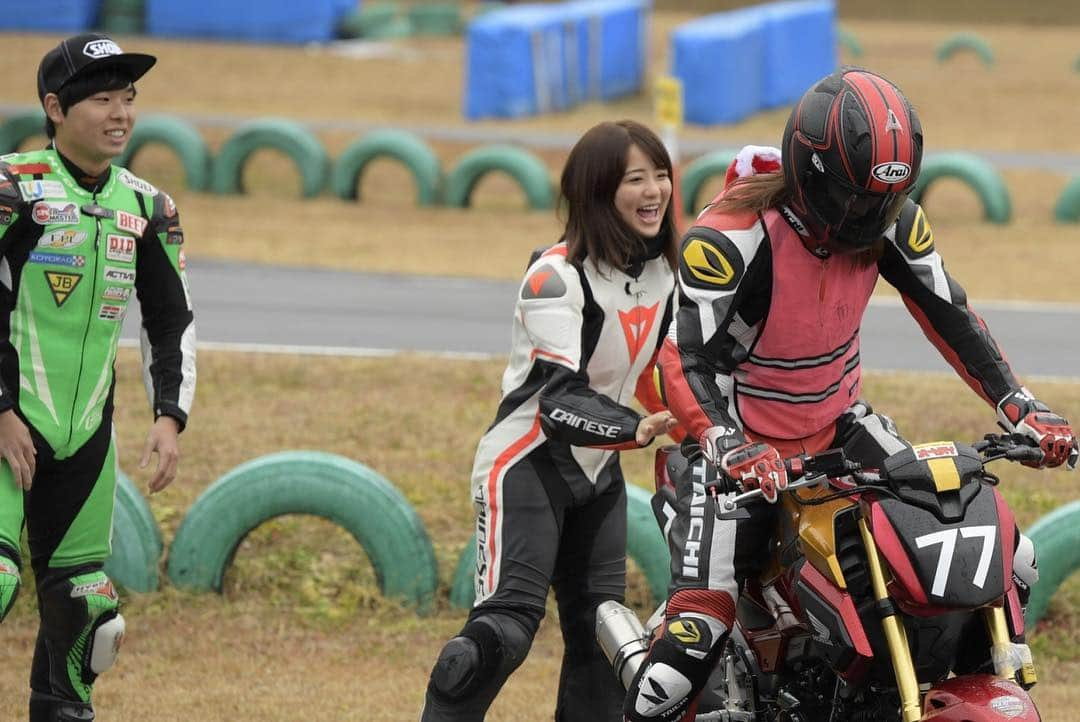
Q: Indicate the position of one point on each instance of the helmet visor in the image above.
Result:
(854, 216)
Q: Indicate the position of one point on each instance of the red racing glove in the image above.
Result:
(1021, 413)
(756, 466)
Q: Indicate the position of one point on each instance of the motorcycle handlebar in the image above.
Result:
(834, 464)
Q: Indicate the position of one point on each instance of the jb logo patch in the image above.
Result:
(62, 284)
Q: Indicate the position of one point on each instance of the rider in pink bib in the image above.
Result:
(763, 360)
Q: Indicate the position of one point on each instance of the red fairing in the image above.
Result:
(845, 607)
(1007, 528)
(891, 548)
(978, 698)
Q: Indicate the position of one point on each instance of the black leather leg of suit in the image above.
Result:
(591, 569)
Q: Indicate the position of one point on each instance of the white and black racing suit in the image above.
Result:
(549, 494)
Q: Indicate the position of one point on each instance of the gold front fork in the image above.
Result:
(906, 680)
(1008, 658)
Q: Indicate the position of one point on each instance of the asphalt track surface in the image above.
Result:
(303, 310)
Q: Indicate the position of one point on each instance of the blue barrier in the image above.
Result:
(800, 48)
(283, 21)
(736, 63)
(718, 60)
(69, 16)
(531, 59)
(515, 62)
(613, 44)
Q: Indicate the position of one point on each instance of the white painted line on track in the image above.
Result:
(351, 351)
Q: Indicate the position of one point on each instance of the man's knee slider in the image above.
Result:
(487, 650)
(81, 621)
(9, 585)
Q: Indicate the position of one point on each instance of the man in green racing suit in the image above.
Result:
(79, 237)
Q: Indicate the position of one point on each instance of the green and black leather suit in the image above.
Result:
(74, 253)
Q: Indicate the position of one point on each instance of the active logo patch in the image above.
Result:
(36, 189)
(58, 259)
(136, 183)
(130, 222)
(116, 293)
(61, 239)
(709, 265)
(54, 213)
(120, 248)
(6, 213)
(891, 172)
(62, 285)
(113, 274)
(110, 312)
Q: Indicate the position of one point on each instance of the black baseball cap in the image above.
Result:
(87, 53)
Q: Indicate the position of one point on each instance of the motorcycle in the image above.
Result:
(889, 596)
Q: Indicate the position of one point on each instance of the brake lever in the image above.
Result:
(731, 503)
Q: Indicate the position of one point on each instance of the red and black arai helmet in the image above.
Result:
(851, 152)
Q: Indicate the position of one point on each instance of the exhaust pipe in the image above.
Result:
(624, 641)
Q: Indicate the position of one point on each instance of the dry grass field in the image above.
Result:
(301, 631)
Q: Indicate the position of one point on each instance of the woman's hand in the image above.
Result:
(653, 425)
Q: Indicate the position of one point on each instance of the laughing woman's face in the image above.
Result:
(643, 195)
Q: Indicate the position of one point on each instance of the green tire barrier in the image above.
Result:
(435, 19)
(976, 173)
(287, 136)
(699, 172)
(122, 17)
(181, 138)
(306, 482)
(17, 128)
(1057, 545)
(965, 41)
(644, 544)
(1067, 208)
(463, 586)
(524, 167)
(398, 144)
(136, 543)
(377, 21)
(849, 42)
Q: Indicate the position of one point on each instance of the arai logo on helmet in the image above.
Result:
(891, 172)
(101, 49)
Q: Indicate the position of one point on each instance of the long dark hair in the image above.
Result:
(592, 175)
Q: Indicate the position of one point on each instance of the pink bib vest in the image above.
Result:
(803, 371)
